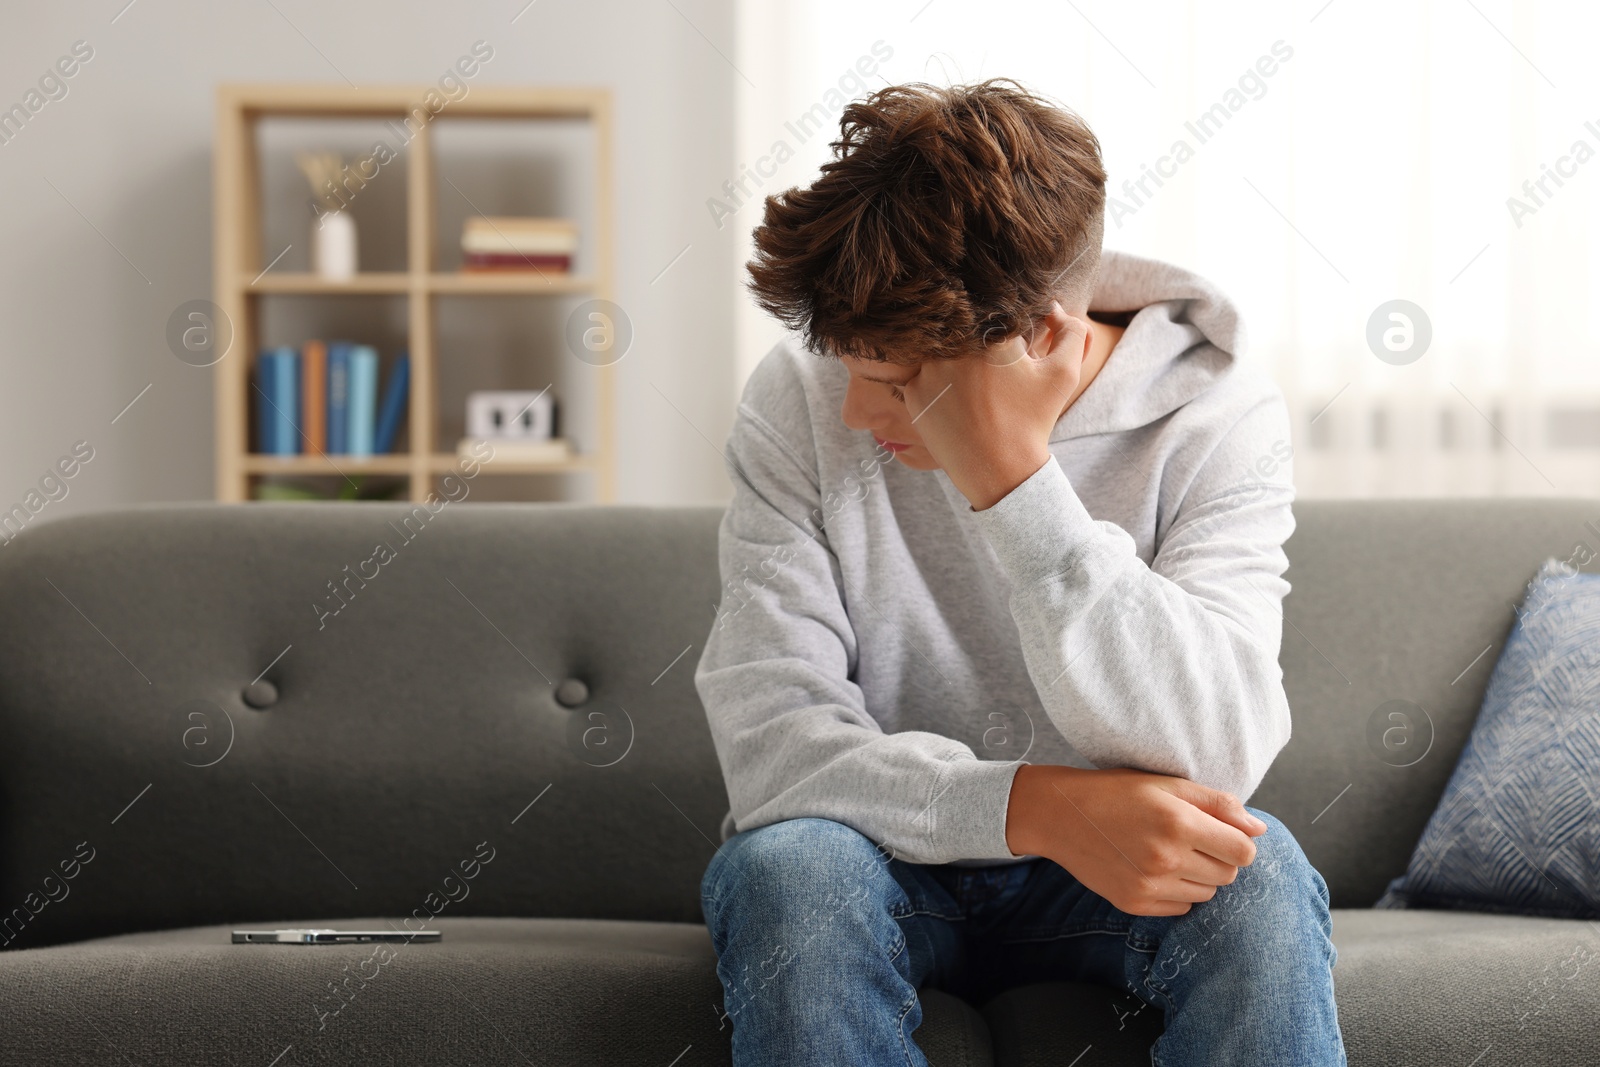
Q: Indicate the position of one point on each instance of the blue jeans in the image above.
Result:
(819, 933)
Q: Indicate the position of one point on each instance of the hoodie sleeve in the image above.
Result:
(1172, 667)
(790, 726)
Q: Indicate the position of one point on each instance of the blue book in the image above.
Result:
(285, 402)
(266, 393)
(339, 397)
(394, 405)
(363, 398)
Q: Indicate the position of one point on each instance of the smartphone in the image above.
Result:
(328, 937)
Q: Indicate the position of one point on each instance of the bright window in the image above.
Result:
(1340, 155)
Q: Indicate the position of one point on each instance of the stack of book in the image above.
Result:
(517, 243)
(323, 400)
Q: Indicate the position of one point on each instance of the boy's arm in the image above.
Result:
(1172, 667)
(1151, 844)
(791, 729)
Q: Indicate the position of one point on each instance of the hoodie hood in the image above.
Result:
(1183, 338)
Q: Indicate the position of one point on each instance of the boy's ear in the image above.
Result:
(1047, 332)
(1062, 336)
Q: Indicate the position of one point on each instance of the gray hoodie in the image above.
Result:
(886, 657)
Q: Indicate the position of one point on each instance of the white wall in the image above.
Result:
(86, 287)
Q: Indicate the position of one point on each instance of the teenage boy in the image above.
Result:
(997, 656)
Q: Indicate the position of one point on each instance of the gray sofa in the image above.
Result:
(497, 730)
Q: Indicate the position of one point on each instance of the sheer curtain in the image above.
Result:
(1320, 161)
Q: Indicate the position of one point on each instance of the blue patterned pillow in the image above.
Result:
(1518, 827)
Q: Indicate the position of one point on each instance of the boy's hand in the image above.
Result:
(1148, 843)
(987, 418)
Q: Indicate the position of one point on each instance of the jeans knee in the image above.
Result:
(1271, 923)
(795, 864)
(1278, 851)
(1282, 878)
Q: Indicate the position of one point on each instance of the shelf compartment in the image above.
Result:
(515, 167)
(373, 192)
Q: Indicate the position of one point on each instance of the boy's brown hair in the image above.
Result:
(948, 219)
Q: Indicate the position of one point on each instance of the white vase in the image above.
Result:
(333, 245)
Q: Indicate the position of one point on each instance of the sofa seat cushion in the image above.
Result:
(1425, 987)
(493, 991)
(1414, 987)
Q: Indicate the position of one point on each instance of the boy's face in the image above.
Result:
(873, 402)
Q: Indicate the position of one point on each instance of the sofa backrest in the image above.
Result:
(1397, 608)
(427, 717)
(416, 732)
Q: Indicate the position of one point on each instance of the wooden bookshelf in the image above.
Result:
(241, 277)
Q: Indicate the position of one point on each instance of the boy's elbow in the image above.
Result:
(1257, 742)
